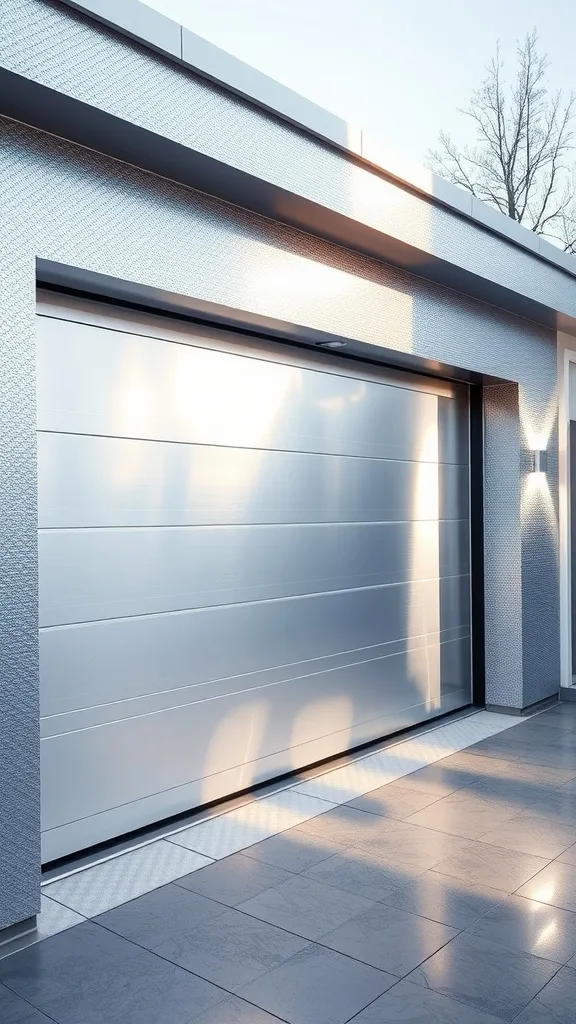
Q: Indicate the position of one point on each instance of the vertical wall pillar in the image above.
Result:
(540, 573)
(19, 710)
(503, 547)
(521, 562)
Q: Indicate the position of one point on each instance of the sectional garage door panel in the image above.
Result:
(103, 574)
(249, 560)
(86, 480)
(242, 646)
(199, 742)
(123, 385)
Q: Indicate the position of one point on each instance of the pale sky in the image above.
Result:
(398, 68)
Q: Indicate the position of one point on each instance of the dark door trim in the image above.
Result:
(572, 494)
(477, 544)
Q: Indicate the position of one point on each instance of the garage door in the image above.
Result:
(251, 558)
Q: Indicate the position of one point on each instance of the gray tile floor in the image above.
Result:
(447, 897)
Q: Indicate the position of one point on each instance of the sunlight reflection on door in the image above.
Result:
(200, 397)
(321, 719)
(237, 741)
(424, 664)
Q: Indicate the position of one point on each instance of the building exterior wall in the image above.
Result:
(47, 42)
(69, 205)
(19, 699)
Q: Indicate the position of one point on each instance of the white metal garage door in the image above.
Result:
(251, 558)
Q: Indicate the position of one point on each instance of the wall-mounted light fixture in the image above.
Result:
(539, 460)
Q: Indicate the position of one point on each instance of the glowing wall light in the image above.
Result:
(539, 461)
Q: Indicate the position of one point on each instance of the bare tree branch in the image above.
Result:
(520, 163)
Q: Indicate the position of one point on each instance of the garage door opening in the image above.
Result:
(251, 558)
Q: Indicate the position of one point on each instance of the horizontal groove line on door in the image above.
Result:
(248, 689)
(464, 639)
(287, 451)
(440, 638)
(246, 526)
(270, 600)
(246, 344)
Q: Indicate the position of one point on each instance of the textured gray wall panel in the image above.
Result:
(66, 204)
(51, 44)
(19, 722)
(540, 539)
(503, 547)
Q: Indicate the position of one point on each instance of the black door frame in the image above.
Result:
(477, 544)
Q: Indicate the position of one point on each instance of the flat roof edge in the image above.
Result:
(149, 27)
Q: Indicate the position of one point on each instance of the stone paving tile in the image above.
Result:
(481, 769)
(159, 915)
(549, 733)
(88, 975)
(555, 1003)
(554, 719)
(318, 986)
(214, 941)
(466, 813)
(293, 850)
(517, 783)
(451, 901)
(438, 779)
(390, 939)
(14, 1010)
(305, 907)
(555, 884)
(227, 948)
(569, 786)
(359, 871)
(485, 975)
(413, 848)
(236, 1011)
(348, 826)
(529, 926)
(234, 879)
(394, 801)
(496, 746)
(569, 856)
(557, 806)
(489, 865)
(406, 1003)
(528, 833)
(552, 756)
(474, 767)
